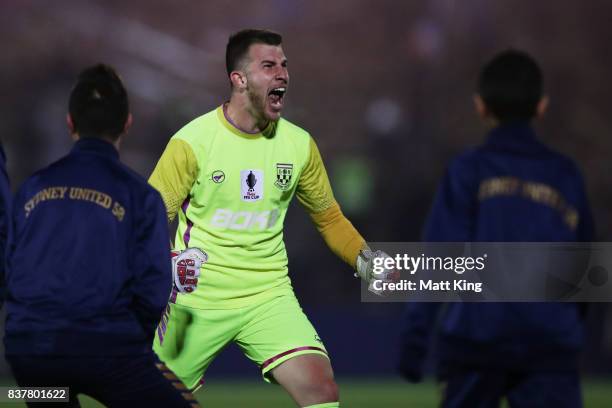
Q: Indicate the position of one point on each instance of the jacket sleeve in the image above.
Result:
(151, 267)
(420, 319)
(453, 215)
(5, 223)
(585, 231)
(451, 219)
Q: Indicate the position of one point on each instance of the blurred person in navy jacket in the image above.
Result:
(88, 272)
(5, 214)
(526, 352)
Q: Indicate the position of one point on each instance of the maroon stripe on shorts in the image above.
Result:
(283, 354)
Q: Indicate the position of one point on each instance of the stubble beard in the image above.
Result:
(258, 106)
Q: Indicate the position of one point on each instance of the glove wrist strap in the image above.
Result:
(363, 259)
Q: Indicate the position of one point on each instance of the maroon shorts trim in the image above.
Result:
(283, 354)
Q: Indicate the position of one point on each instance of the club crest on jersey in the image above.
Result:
(252, 183)
(284, 171)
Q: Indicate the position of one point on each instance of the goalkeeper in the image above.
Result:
(230, 175)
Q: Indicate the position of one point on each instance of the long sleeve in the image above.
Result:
(315, 193)
(151, 263)
(174, 175)
(5, 222)
(452, 215)
(419, 322)
(450, 220)
(585, 230)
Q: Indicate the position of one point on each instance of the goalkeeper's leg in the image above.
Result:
(279, 338)
(309, 380)
(187, 340)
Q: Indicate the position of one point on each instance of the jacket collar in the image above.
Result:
(95, 145)
(515, 136)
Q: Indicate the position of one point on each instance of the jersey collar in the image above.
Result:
(267, 132)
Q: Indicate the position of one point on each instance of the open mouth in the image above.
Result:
(276, 97)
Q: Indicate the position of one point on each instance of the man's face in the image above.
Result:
(267, 80)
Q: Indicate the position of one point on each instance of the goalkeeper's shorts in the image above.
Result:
(268, 333)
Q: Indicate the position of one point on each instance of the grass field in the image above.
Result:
(354, 394)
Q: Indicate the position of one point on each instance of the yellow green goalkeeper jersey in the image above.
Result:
(231, 190)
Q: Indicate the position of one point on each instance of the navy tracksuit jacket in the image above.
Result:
(513, 335)
(88, 265)
(5, 213)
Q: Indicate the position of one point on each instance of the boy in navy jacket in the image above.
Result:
(526, 352)
(89, 272)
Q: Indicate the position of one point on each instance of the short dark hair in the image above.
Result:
(99, 104)
(239, 43)
(511, 85)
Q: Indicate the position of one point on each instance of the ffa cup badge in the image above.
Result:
(252, 185)
(284, 171)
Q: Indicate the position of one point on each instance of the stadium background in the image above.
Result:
(385, 88)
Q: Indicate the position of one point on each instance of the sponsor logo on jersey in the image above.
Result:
(251, 185)
(284, 171)
(218, 176)
(244, 220)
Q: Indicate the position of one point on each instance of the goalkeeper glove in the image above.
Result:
(186, 267)
(365, 269)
